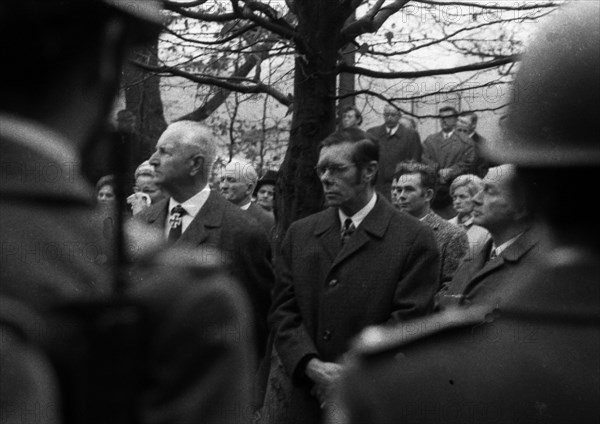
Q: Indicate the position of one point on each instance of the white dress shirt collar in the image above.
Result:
(393, 130)
(505, 245)
(192, 206)
(359, 216)
(245, 206)
(447, 135)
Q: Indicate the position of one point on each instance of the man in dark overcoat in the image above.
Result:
(397, 143)
(360, 262)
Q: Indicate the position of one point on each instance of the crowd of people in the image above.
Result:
(444, 280)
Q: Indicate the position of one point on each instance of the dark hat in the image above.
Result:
(270, 177)
(553, 117)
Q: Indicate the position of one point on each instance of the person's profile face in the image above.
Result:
(494, 206)
(171, 161)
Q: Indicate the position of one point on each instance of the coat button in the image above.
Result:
(326, 335)
(333, 283)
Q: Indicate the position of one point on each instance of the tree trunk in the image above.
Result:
(142, 98)
(299, 191)
(347, 81)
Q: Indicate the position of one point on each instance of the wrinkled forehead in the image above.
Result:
(340, 153)
(500, 175)
(411, 179)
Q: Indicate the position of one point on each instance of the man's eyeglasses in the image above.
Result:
(334, 170)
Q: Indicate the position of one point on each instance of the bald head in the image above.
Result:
(238, 180)
(183, 158)
(195, 137)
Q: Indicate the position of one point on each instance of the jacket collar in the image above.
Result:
(209, 216)
(327, 230)
(527, 241)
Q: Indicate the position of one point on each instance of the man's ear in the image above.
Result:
(197, 164)
(429, 194)
(250, 189)
(370, 170)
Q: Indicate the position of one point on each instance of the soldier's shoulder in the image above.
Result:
(377, 340)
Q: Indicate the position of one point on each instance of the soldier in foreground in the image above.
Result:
(535, 359)
(181, 351)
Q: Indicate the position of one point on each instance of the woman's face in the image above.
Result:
(146, 184)
(264, 196)
(106, 194)
(462, 201)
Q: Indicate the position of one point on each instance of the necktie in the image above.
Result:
(493, 254)
(176, 222)
(348, 230)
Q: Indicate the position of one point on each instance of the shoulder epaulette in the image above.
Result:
(381, 339)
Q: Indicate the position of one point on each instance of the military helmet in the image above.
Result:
(554, 116)
(143, 15)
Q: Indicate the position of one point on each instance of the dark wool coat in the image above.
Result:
(325, 294)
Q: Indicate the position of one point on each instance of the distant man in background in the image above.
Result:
(451, 154)
(396, 144)
(413, 189)
(238, 181)
(467, 125)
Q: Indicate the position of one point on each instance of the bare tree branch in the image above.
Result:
(280, 27)
(489, 5)
(218, 82)
(430, 72)
(224, 40)
(371, 22)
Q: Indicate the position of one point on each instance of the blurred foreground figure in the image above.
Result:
(177, 349)
(535, 359)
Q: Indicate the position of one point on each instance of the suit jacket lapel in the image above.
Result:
(157, 215)
(374, 225)
(328, 231)
(209, 216)
(512, 254)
